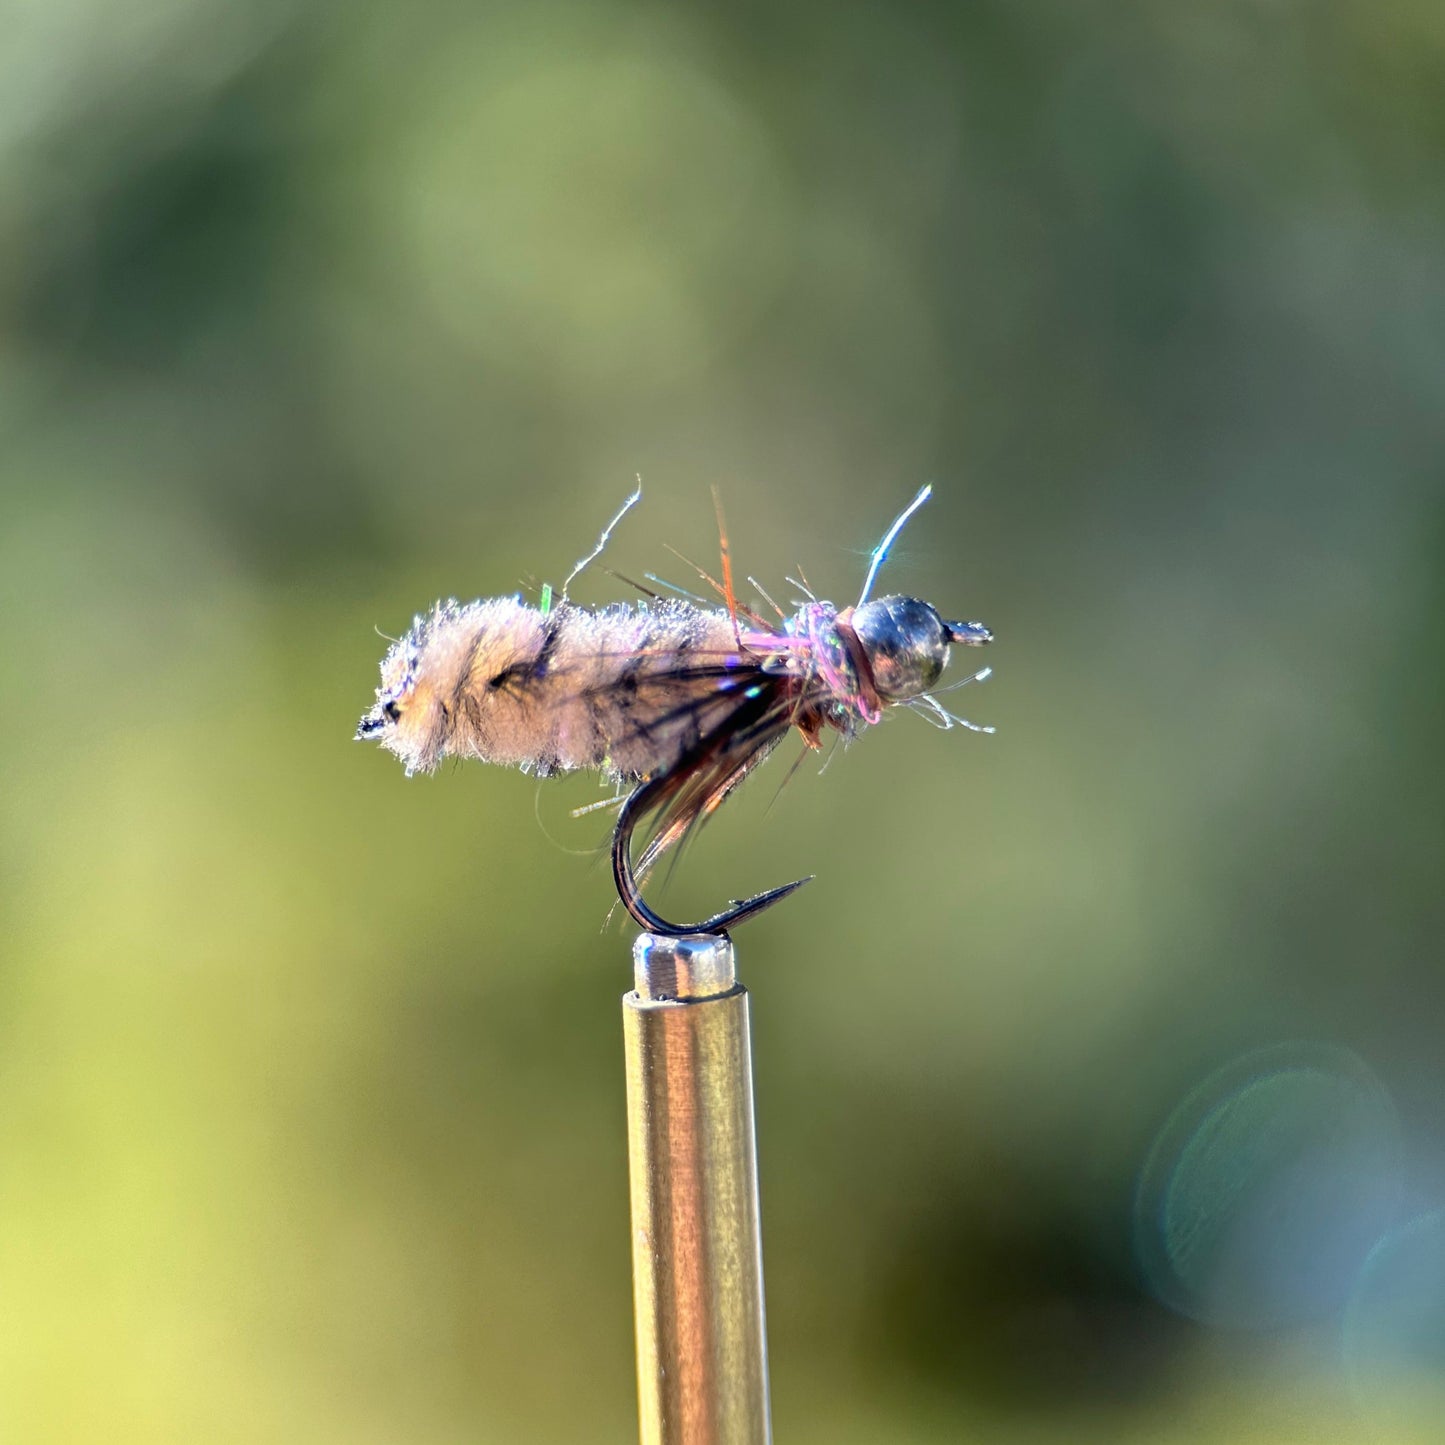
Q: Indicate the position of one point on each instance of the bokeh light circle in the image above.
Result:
(1267, 1187)
(1394, 1332)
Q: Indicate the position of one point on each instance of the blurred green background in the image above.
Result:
(1100, 1074)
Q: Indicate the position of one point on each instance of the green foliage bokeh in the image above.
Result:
(310, 1075)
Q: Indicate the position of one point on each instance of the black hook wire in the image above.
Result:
(630, 892)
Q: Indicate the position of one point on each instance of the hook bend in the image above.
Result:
(630, 892)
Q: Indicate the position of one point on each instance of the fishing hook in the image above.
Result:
(630, 891)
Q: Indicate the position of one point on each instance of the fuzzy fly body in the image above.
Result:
(680, 700)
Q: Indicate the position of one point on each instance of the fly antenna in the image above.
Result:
(982, 675)
(930, 708)
(880, 552)
(631, 582)
(673, 587)
(723, 590)
(729, 596)
(602, 541)
(763, 593)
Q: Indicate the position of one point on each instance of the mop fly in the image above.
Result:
(673, 700)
